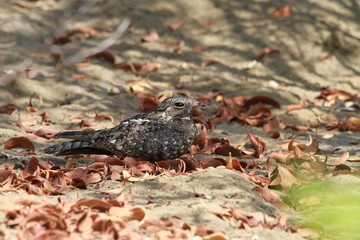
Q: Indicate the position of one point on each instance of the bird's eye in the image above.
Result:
(179, 105)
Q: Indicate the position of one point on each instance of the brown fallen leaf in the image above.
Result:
(23, 5)
(248, 221)
(94, 177)
(103, 116)
(272, 127)
(130, 66)
(266, 52)
(352, 124)
(282, 12)
(199, 48)
(128, 213)
(148, 69)
(323, 58)
(331, 95)
(279, 157)
(262, 99)
(216, 235)
(84, 63)
(152, 36)
(271, 197)
(46, 133)
(282, 176)
(207, 24)
(84, 224)
(147, 100)
(208, 62)
(258, 144)
(225, 149)
(45, 118)
(92, 203)
(341, 160)
(89, 122)
(31, 109)
(201, 140)
(8, 108)
(79, 76)
(37, 138)
(298, 128)
(22, 142)
(111, 160)
(312, 148)
(31, 73)
(33, 165)
(175, 26)
(179, 49)
(107, 55)
(210, 162)
(293, 107)
(73, 35)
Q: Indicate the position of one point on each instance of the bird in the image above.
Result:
(165, 133)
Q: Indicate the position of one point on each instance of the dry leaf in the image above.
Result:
(282, 176)
(147, 100)
(352, 124)
(271, 197)
(107, 55)
(8, 108)
(92, 203)
(207, 24)
(128, 213)
(152, 36)
(23, 5)
(273, 127)
(298, 128)
(266, 52)
(199, 48)
(282, 12)
(209, 62)
(130, 66)
(258, 145)
(341, 160)
(175, 26)
(73, 35)
(22, 142)
(262, 99)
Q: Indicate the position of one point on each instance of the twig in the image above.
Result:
(77, 57)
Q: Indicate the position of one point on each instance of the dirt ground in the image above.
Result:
(319, 46)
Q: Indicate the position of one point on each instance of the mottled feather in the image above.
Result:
(166, 133)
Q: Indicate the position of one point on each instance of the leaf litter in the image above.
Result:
(298, 165)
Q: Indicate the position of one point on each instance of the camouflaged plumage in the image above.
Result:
(165, 133)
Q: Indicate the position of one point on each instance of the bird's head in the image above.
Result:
(177, 107)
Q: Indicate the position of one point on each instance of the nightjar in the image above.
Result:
(165, 133)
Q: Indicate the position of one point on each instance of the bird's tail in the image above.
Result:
(81, 145)
(67, 148)
(78, 135)
(75, 147)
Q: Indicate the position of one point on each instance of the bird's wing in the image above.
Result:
(103, 141)
(126, 127)
(128, 133)
(90, 135)
(77, 135)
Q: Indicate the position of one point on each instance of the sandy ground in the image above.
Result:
(310, 57)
